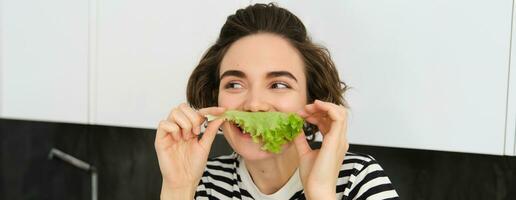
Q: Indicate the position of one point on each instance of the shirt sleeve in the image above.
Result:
(372, 183)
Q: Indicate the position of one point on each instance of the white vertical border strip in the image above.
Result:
(510, 120)
(1, 58)
(92, 61)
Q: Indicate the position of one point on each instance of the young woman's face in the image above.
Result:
(260, 73)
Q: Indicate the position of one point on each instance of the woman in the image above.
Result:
(264, 61)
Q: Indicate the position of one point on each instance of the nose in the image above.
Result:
(256, 102)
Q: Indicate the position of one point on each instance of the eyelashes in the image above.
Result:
(275, 85)
(285, 85)
(231, 84)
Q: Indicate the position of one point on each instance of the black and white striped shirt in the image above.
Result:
(360, 177)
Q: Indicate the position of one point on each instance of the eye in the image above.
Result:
(280, 85)
(233, 85)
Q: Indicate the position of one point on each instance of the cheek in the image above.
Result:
(221, 99)
(228, 101)
(290, 105)
(292, 102)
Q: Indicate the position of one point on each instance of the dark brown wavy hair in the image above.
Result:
(323, 81)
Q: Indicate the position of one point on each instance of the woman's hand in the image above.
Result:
(182, 155)
(319, 169)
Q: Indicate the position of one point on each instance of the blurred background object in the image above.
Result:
(56, 153)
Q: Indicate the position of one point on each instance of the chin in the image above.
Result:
(243, 144)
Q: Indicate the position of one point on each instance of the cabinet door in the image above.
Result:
(44, 60)
(424, 74)
(146, 52)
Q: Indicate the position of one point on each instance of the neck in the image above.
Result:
(271, 174)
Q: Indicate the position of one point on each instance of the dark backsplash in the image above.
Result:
(128, 167)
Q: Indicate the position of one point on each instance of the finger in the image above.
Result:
(331, 109)
(167, 129)
(328, 117)
(338, 114)
(302, 113)
(309, 112)
(326, 113)
(310, 109)
(186, 126)
(301, 144)
(170, 116)
(209, 133)
(195, 118)
(313, 111)
(313, 120)
(215, 111)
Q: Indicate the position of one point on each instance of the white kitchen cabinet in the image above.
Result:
(145, 54)
(44, 60)
(424, 74)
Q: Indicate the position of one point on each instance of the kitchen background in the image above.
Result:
(433, 93)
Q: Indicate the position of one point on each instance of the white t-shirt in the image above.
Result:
(288, 190)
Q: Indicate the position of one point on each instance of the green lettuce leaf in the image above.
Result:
(272, 128)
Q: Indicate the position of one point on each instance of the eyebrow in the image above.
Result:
(272, 74)
(236, 73)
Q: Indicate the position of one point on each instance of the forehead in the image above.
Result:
(259, 53)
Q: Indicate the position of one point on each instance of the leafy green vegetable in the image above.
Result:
(272, 128)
